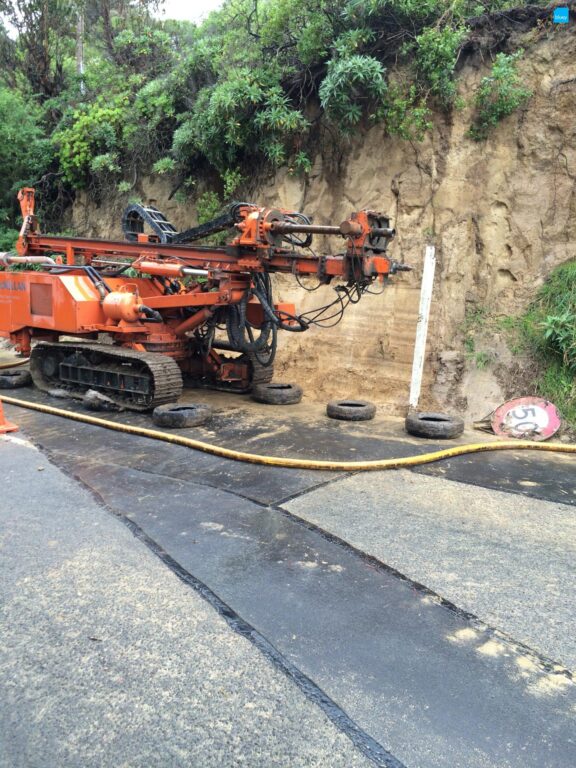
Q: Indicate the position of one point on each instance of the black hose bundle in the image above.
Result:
(263, 346)
(241, 333)
(263, 292)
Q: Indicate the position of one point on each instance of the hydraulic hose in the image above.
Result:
(277, 461)
(150, 314)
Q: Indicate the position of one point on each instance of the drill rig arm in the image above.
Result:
(260, 244)
(180, 296)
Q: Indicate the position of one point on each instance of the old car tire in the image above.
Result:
(176, 416)
(435, 425)
(277, 393)
(12, 378)
(351, 410)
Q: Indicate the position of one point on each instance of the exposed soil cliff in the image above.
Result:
(502, 214)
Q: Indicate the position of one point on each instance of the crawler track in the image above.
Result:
(135, 380)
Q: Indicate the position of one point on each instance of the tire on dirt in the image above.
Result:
(174, 416)
(435, 425)
(351, 410)
(277, 393)
(12, 378)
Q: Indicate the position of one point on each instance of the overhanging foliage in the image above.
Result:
(253, 86)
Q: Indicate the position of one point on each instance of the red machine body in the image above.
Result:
(173, 300)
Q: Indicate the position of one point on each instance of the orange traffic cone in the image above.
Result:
(6, 426)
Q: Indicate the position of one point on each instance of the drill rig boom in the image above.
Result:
(166, 304)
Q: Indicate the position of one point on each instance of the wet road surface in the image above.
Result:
(109, 658)
(429, 681)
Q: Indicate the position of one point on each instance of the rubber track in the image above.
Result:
(166, 375)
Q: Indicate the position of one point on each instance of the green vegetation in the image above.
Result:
(544, 336)
(259, 84)
(89, 142)
(475, 319)
(482, 359)
(555, 384)
(500, 94)
(547, 331)
(7, 238)
(476, 322)
(208, 206)
(353, 85)
(23, 152)
(437, 50)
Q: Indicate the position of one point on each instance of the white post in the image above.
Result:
(80, 50)
(422, 326)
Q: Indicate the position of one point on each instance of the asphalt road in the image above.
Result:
(425, 621)
(108, 659)
(502, 556)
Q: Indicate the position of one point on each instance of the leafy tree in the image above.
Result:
(352, 85)
(251, 87)
(45, 38)
(437, 52)
(300, 33)
(245, 113)
(92, 140)
(25, 152)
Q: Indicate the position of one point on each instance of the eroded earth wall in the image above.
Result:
(502, 214)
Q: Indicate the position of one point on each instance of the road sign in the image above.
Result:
(528, 418)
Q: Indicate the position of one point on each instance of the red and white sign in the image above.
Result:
(529, 418)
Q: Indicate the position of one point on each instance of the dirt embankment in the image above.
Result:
(502, 214)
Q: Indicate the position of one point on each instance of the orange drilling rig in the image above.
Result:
(147, 311)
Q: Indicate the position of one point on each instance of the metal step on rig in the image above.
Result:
(149, 310)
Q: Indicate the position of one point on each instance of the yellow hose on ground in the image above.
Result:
(277, 461)
(17, 364)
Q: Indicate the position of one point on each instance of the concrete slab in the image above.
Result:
(304, 431)
(430, 685)
(78, 441)
(550, 477)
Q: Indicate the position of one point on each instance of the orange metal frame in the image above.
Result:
(44, 304)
